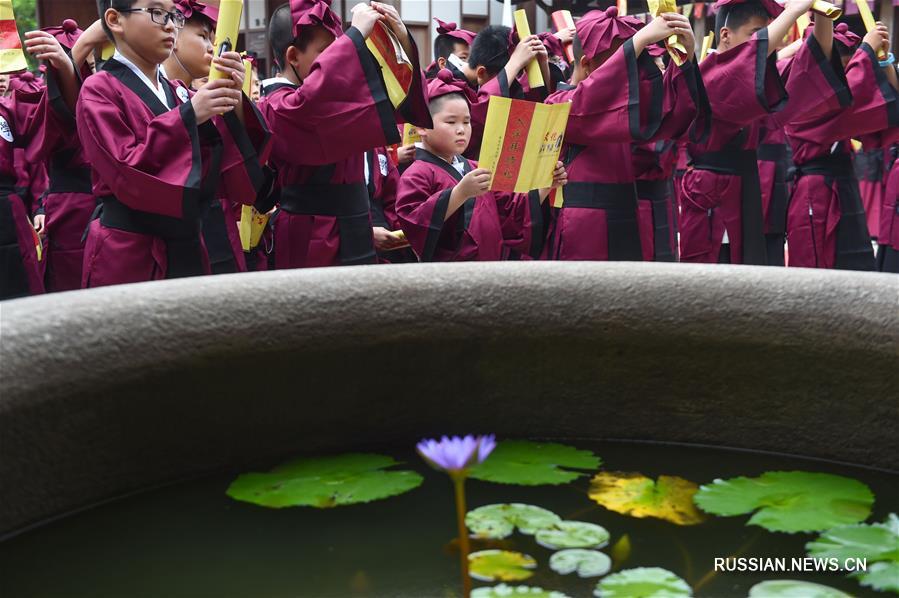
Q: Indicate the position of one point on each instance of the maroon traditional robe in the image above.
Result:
(27, 119)
(722, 192)
(156, 171)
(482, 229)
(321, 130)
(654, 165)
(826, 225)
(382, 181)
(598, 220)
(888, 227)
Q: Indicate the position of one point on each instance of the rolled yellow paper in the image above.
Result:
(675, 49)
(226, 31)
(535, 77)
(864, 11)
(706, 45)
(827, 9)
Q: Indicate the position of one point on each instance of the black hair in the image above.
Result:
(577, 48)
(737, 15)
(445, 44)
(280, 34)
(104, 5)
(490, 49)
(437, 103)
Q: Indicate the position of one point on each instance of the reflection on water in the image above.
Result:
(191, 540)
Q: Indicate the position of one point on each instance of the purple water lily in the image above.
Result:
(456, 453)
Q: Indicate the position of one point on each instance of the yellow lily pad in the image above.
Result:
(500, 565)
(630, 493)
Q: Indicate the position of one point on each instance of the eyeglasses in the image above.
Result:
(160, 16)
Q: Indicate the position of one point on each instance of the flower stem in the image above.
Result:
(459, 485)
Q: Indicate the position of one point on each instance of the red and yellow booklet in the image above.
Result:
(12, 58)
(522, 141)
(396, 68)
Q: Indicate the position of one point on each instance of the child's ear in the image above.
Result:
(113, 20)
(441, 63)
(481, 74)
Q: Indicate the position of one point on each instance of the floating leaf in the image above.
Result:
(587, 563)
(877, 543)
(789, 501)
(791, 588)
(621, 551)
(504, 591)
(500, 565)
(324, 482)
(533, 464)
(572, 534)
(634, 494)
(642, 582)
(500, 520)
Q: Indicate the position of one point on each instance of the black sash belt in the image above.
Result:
(184, 251)
(854, 251)
(620, 203)
(68, 179)
(742, 163)
(777, 207)
(657, 193)
(346, 202)
(378, 218)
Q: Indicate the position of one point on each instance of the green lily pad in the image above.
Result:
(500, 565)
(500, 520)
(504, 591)
(587, 563)
(572, 534)
(792, 588)
(878, 543)
(643, 582)
(789, 501)
(324, 482)
(534, 464)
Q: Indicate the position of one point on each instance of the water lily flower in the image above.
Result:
(455, 454)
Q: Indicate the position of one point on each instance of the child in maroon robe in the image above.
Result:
(443, 203)
(27, 120)
(329, 107)
(451, 50)
(722, 217)
(598, 219)
(159, 152)
(381, 180)
(826, 225)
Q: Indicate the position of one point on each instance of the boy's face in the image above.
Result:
(4, 84)
(193, 47)
(302, 59)
(152, 41)
(452, 128)
(255, 88)
(731, 38)
(461, 49)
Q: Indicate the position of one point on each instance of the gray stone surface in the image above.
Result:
(113, 390)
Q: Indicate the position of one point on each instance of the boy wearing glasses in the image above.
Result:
(160, 154)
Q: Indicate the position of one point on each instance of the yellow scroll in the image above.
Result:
(247, 78)
(676, 50)
(864, 11)
(108, 51)
(706, 45)
(827, 9)
(535, 77)
(251, 226)
(12, 58)
(521, 143)
(396, 68)
(410, 135)
(226, 31)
